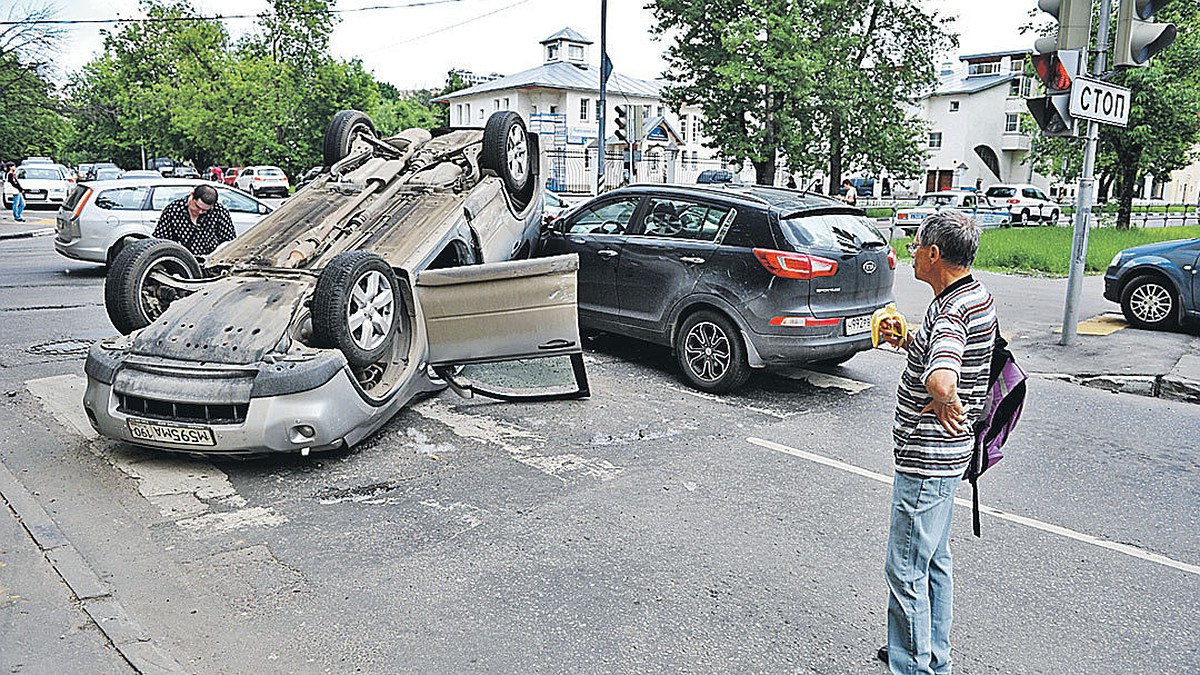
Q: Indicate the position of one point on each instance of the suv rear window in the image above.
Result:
(842, 231)
(1001, 192)
(76, 195)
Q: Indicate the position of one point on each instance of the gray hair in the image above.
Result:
(954, 233)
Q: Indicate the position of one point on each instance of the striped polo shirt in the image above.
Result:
(957, 334)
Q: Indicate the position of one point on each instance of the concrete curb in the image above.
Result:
(27, 234)
(94, 595)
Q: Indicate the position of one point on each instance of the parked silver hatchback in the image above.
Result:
(101, 217)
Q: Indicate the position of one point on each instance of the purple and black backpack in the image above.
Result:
(1001, 410)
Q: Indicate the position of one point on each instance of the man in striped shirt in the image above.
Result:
(940, 396)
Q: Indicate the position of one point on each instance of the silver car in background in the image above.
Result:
(102, 217)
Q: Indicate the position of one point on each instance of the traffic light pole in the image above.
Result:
(1083, 200)
(605, 68)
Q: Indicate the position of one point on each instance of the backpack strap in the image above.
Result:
(975, 506)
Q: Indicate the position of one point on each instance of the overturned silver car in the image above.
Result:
(405, 260)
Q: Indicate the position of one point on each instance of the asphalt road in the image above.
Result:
(647, 528)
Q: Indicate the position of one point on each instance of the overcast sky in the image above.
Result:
(413, 46)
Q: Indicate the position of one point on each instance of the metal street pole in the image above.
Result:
(1083, 202)
(605, 69)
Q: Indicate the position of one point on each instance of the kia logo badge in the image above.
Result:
(869, 267)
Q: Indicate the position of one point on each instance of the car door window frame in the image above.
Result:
(684, 234)
(639, 200)
(102, 202)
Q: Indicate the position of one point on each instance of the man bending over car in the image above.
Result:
(197, 221)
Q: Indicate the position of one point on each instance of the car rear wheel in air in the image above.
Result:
(341, 132)
(1149, 302)
(710, 353)
(134, 292)
(355, 307)
(506, 150)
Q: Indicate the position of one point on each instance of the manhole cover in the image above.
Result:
(60, 348)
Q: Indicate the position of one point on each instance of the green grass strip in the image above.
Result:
(1046, 251)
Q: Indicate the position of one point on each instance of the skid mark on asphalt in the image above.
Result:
(1125, 549)
(520, 444)
(183, 490)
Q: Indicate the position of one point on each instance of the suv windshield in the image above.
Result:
(831, 231)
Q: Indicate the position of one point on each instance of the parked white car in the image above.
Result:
(42, 183)
(102, 217)
(967, 201)
(263, 180)
(1025, 202)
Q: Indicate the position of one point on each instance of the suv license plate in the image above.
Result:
(858, 324)
(179, 434)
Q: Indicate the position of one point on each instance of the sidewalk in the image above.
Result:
(38, 223)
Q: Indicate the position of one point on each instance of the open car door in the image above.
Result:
(518, 310)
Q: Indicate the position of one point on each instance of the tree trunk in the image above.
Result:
(764, 170)
(1125, 194)
(835, 155)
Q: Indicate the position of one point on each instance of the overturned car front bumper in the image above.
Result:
(297, 406)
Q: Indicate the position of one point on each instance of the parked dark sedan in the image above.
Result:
(733, 278)
(1156, 284)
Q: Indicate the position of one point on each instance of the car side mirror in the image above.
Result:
(263, 209)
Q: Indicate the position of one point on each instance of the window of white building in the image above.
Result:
(585, 106)
(459, 113)
(506, 106)
(686, 123)
(575, 52)
(935, 139)
(1020, 87)
(953, 106)
(495, 104)
(1012, 122)
(553, 110)
(989, 68)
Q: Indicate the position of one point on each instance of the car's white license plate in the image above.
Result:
(180, 434)
(858, 324)
(36, 194)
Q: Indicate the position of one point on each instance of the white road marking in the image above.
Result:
(228, 521)
(180, 488)
(517, 442)
(724, 401)
(1125, 549)
(827, 381)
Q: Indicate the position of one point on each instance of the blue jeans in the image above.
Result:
(918, 571)
(18, 204)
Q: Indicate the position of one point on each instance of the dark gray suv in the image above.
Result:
(733, 278)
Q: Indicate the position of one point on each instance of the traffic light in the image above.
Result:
(1057, 70)
(1074, 25)
(1138, 36)
(621, 123)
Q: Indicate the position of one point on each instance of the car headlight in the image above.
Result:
(1116, 259)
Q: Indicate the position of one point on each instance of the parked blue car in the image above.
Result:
(1158, 284)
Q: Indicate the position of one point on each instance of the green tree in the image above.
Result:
(824, 82)
(30, 107)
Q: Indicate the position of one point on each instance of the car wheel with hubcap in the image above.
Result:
(1149, 302)
(710, 353)
(506, 150)
(137, 289)
(355, 307)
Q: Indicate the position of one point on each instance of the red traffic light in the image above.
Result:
(1052, 71)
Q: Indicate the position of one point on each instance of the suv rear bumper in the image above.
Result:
(781, 350)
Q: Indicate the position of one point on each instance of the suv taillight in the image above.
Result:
(891, 257)
(790, 265)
